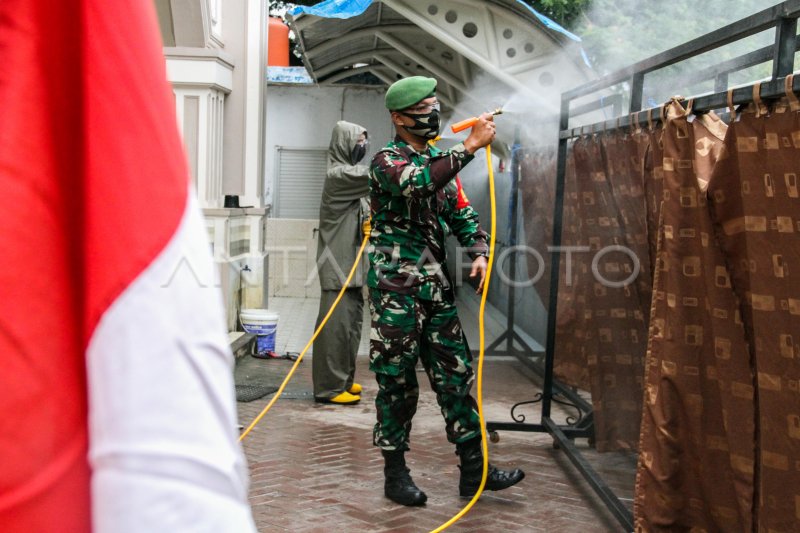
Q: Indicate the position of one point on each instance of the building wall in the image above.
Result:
(305, 116)
(216, 62)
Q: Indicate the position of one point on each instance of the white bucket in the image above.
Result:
(264, 324)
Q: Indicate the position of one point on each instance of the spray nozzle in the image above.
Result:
(468, 123)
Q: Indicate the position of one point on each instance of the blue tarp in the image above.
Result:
(334, 9)
(344, 9)
(288, 75)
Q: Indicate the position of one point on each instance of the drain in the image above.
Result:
(248, 393)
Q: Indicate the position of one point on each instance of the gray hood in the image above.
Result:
(343, 139)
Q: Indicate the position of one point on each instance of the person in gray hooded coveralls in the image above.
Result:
(342, 211)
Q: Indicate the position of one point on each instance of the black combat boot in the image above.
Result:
(472, 470)
(399, 487)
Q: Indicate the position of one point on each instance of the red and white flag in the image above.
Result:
(117, 410)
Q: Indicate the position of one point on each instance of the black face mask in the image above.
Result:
(426, 125)
(358, 153)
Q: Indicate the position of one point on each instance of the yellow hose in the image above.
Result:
(485, 292)
(366, 230)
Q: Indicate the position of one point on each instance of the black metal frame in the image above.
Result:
(783, 17)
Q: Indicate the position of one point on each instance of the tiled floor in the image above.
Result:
(296, 324)
(314, 469)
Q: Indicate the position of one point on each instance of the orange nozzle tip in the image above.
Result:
(464, 124)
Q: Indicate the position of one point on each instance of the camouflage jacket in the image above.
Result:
(416, 200)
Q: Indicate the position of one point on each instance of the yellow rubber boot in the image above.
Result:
(355, 388)
(344, 398)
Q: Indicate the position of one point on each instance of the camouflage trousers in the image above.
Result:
(406, 329)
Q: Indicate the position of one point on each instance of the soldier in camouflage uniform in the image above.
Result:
(416, 200)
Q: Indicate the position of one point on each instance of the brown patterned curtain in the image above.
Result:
(612, 170)
(609, 319)
(537, 180)
(713, 214)
(537, 171)
(626, 172)
(696, 451)
(569, 365)
(755, 204)
(720, 447)
(650, 151)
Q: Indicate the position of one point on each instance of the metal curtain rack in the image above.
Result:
(783, 17)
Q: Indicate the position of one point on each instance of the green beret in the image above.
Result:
(408, 91)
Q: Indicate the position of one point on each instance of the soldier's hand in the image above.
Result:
(479, 266)
(481, 134)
